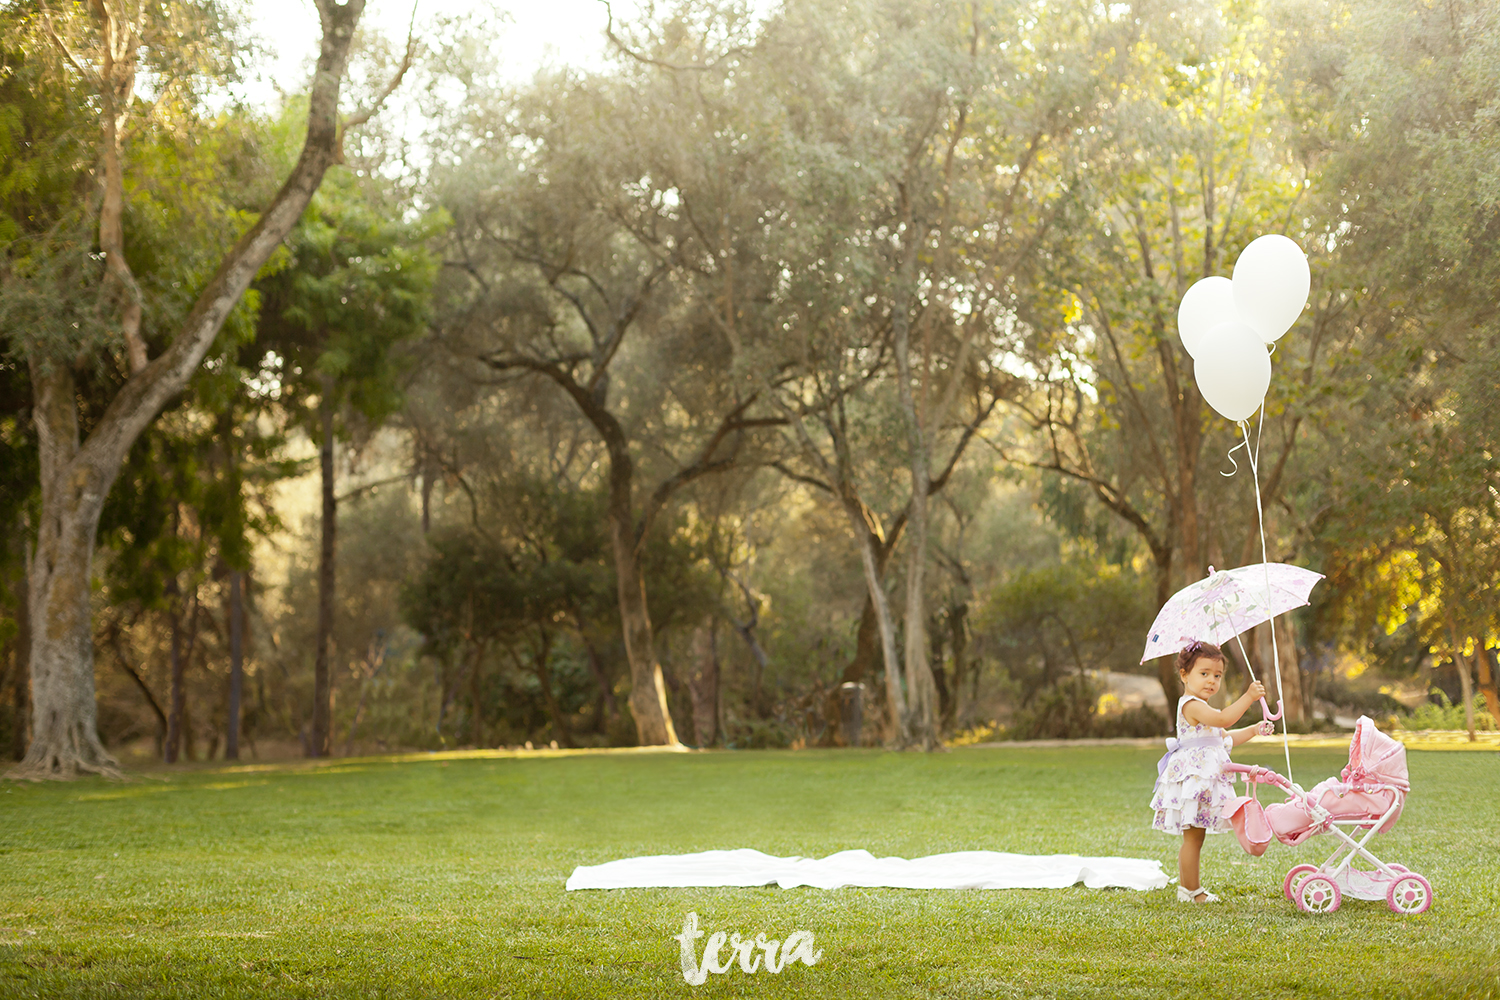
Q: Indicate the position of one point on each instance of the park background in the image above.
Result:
(807, 346)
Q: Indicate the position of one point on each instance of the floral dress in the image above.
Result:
(1191, 786)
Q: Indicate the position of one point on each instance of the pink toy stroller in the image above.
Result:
(1365, 799)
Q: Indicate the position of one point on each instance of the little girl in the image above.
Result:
(1191, 788)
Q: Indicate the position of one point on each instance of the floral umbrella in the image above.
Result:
(1226, 603)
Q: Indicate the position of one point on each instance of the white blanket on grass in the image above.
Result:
(960, 870)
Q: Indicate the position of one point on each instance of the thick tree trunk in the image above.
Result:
(64, 737)
(75, 480)
(322, 693)
(236, 664)
(648, 689)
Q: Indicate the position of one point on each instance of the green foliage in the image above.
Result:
(1069, 710)
(1405, 490)
(356, 283)
(1046, 621)
(526, 599)
(49, 276)
(1438, 712)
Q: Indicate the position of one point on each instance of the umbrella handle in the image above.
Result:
(1265, 710)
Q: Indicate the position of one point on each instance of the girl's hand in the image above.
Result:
(1255, 691)
(1266, 729)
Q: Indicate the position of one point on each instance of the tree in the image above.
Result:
(895, 252)
(103, 53)
(577, 253)
(356, 285)
(1180, 176)
(1403, 500)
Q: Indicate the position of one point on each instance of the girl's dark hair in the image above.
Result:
(1194, 650)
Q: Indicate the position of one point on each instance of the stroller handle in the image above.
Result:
(1265, 710)
(1258, 775)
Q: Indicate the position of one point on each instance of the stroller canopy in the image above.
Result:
(1376, 758)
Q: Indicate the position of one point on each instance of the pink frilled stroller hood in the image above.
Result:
(1368, 788)
(1375, 758)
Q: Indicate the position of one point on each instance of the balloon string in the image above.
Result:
(1253, 455)
(1230, 455)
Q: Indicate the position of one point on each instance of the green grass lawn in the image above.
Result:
(444, 878)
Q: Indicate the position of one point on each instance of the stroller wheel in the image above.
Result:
(1410, 894)
(1318, 894)
(1294, 880)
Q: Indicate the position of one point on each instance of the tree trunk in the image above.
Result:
(1297, 707)
(75, 480)
(64, 735)
(544, 678)
(322, 693)
(140, 682)
(1487, 679)
(1289, 693)
(1166, 666)
(920, 686)
(476, 705)
(236, 664)
(1465, 683)
(374, 662)
(958, 631)
(1466, 689)
(21, 665)
(936, 640)
(648, 689)
(897, 729)
(866, 645)
(177, 697)
(703, 685)
(608, 707)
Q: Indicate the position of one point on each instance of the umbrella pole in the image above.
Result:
(1253, 454)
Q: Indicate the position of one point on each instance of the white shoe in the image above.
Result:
(1185, 895)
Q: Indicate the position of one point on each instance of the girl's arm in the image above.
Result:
(1201, 714)
(1244, 734)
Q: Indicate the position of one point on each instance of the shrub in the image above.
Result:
(757, 734)
(1441, 713)
(1069, 710)
(1136, 722)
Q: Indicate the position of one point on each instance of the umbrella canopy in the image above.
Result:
(1226, 603)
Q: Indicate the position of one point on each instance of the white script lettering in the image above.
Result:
(798, 946)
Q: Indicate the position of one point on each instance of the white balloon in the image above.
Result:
(1271, 282)
(1207, 304)
(1233, 369)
